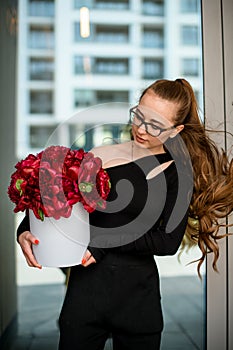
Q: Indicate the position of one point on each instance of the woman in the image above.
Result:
(155, 199)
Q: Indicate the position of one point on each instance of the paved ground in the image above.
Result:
(39, 306)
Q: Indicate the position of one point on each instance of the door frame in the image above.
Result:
(217, 29)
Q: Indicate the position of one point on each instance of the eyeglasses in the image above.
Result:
(138, 120)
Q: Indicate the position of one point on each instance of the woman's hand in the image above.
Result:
(26, 239)
(88, 259)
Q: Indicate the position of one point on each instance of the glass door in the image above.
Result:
(61, 73)
(75, 55)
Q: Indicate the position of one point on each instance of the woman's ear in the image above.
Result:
(176, 131)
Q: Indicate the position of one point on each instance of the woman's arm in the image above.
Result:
(26, 240)
(158, 241)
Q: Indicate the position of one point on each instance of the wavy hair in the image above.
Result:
(212, 198)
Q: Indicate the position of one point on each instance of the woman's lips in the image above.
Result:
(139, 139)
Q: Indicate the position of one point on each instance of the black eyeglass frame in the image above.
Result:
(146, 123)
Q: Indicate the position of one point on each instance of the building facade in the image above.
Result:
(130, 44)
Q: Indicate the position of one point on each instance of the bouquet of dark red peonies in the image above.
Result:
(58, 185)
(52, 181)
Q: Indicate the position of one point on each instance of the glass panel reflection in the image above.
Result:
(131, 44)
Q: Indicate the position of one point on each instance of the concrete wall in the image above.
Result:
(8, 300)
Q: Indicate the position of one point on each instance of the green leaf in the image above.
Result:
(41, 214)
(100, 204)
(18, 186)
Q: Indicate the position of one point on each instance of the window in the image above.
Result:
(41, 37)
(153, 68)
(44, 8)
(85, 98)
(77, 135)
(153, 7)
(112, 5)
(80, 3)
(112, 96)
(82, 65)
(41, 68)
(153, 37)
(85, 65)
(111, 34)
(103, 4)
(41, 102)
(189, 6)
(111, 132)
(87, 135)
(107, 134)
(189, 35)
(111, 66)
(39, 135)
(190, 66)
(81, 136)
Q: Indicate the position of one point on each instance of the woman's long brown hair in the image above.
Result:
(212, 198)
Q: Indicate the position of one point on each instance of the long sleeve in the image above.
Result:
(158, 242)
(23, 226)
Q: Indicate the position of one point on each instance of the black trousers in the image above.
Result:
(118, 296)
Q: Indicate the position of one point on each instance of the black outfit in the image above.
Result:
(120, 294)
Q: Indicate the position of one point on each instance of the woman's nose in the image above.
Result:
(142, 129)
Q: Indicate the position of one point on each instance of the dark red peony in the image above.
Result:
(51, 182)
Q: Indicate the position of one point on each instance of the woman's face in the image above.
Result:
(158, 112)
